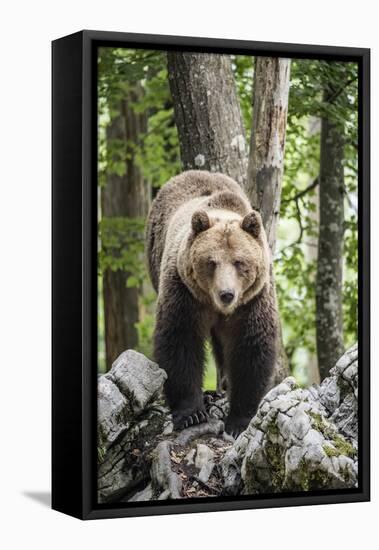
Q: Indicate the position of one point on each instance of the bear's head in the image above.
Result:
(229, 257)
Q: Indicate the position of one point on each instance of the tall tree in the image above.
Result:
(329, 317)
(268, 136)
(126, 195)
(207, 113)
(267, 144)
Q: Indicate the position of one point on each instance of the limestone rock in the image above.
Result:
(304, 439)
(138, 378)
(130, 416)
(300, 439)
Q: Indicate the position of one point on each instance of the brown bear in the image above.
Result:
(210, 264)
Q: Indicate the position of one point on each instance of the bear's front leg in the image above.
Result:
(251, 363)
(179, 350)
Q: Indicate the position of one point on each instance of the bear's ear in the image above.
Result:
(200, 222)
(252, 223)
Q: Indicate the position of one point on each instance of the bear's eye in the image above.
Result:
(211, 263)
(238, 264)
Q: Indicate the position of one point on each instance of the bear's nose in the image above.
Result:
(226, 296)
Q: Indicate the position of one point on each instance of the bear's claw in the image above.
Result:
(182, 422)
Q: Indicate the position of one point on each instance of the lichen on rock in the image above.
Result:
(304, 439)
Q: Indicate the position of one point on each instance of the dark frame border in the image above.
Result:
(74, 271)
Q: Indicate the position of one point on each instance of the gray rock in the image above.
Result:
(165, 482)
(306, 438)
(189, 458)
(299, 439)
(129, 421)
(126, 463)
(330, 394)
(112, 413)
(206, 471)
(138, 378)
(203, 455)
(211, 428)
(204, 461)
(141, 496)
(300, 423)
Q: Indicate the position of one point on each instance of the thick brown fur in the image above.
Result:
(209, 262)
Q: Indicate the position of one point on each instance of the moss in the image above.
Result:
(275, 457)
(303, 475)
(340, 445)
(100, 454)
(346, 475)
(310, 480)
(322, 425)
(343, 446)
(330, 451)
(319, 479)
(272, 429)
(251, 481)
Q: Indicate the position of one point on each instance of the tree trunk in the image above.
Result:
(268, 136)
(329, 320)
(207, 114)
(265, 170)
(310, 254)
(123, 196)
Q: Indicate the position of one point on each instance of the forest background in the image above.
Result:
(287, 131)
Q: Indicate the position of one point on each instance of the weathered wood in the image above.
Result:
(267, 144)
(207, 114)
(268, 135)
(329, 318)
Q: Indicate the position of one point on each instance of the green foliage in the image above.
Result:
(350, 288)
(122, 247)
(140, 78)
(243, 69)
(145, 326)
(145, 329)
(296, 257)
(210, 374)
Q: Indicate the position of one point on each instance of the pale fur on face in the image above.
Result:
(226, 258)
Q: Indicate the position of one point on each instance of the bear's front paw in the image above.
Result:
(235, 425)
(185, 419)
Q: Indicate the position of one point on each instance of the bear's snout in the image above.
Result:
(226, 296)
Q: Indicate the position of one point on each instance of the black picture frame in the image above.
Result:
(74, 272)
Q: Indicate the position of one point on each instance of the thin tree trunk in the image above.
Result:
(268, 136)
(329, 321)
(310, 254)
(123, 196)
(310, 251)
(265, 170)
(207, 114)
